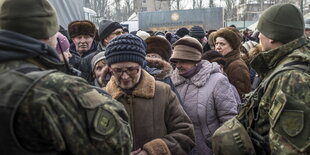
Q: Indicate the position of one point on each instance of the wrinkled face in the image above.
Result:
(153, 55)
(67, 55)
(83, 43)
(265, 42)
(127, 74)
(114, 34)
(184, 65)
(307, 33)
(222, 46)
(99, 69)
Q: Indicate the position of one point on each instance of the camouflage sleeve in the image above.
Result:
(289, 113)
(71, 117)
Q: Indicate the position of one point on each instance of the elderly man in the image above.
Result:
(158, 122)
(82, 33)
(107, 31)
(277, 113)
(44, 111)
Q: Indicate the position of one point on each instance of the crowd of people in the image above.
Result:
(189, 92)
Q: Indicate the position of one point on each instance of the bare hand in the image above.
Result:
(135, 152)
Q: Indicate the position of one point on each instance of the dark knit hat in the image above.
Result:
(282, 22)
(159, 45)
(214, 56)
(34, 18)
(81, 27)
(197, 32)
(187, 48)
(182, 32)
(231, 37)
(125, 48)
(106, 27)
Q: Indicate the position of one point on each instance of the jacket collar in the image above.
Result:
(200, 78)
(266, 61)
(145, 88)
(231, 56)
(163, 68)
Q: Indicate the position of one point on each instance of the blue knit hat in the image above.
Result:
(125, 48)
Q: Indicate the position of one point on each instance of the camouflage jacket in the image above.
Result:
(61, 113)
(283, 112)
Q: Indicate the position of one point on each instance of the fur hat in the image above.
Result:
(33, 18)
(187, 48)
(126, 47)
(160, 46)
(142, 34)
(230, 36)
(81, 27)
(282, 22)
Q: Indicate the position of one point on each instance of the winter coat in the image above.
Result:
(237, 72)
(158, 122)
(75, 60)
(161, 70)
(208, 100)
(283, 111)
(53, 113)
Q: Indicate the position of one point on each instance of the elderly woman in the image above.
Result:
(207, 95)
(228, 43)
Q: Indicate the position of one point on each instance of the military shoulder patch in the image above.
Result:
(105, 122)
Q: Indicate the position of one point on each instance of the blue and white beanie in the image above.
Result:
(126, 48)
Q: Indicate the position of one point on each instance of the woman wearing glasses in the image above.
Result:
(159, 124)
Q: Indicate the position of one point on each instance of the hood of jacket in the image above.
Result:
(296, 50)
(200, 78)
(158, 68)
(144, 89)
(15, 46)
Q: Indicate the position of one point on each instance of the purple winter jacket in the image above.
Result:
(209, 101)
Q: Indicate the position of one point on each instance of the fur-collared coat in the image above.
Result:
(237, 72)
(158, 122)
(161, 70)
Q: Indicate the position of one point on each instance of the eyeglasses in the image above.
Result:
(117, 33)
(129, 70)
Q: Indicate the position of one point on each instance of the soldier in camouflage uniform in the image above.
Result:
(277, 114)
(44, 111)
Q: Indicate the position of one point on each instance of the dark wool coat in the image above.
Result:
(158, 122)
(237, 72)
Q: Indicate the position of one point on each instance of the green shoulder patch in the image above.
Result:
(292, 122)
(105, 122)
